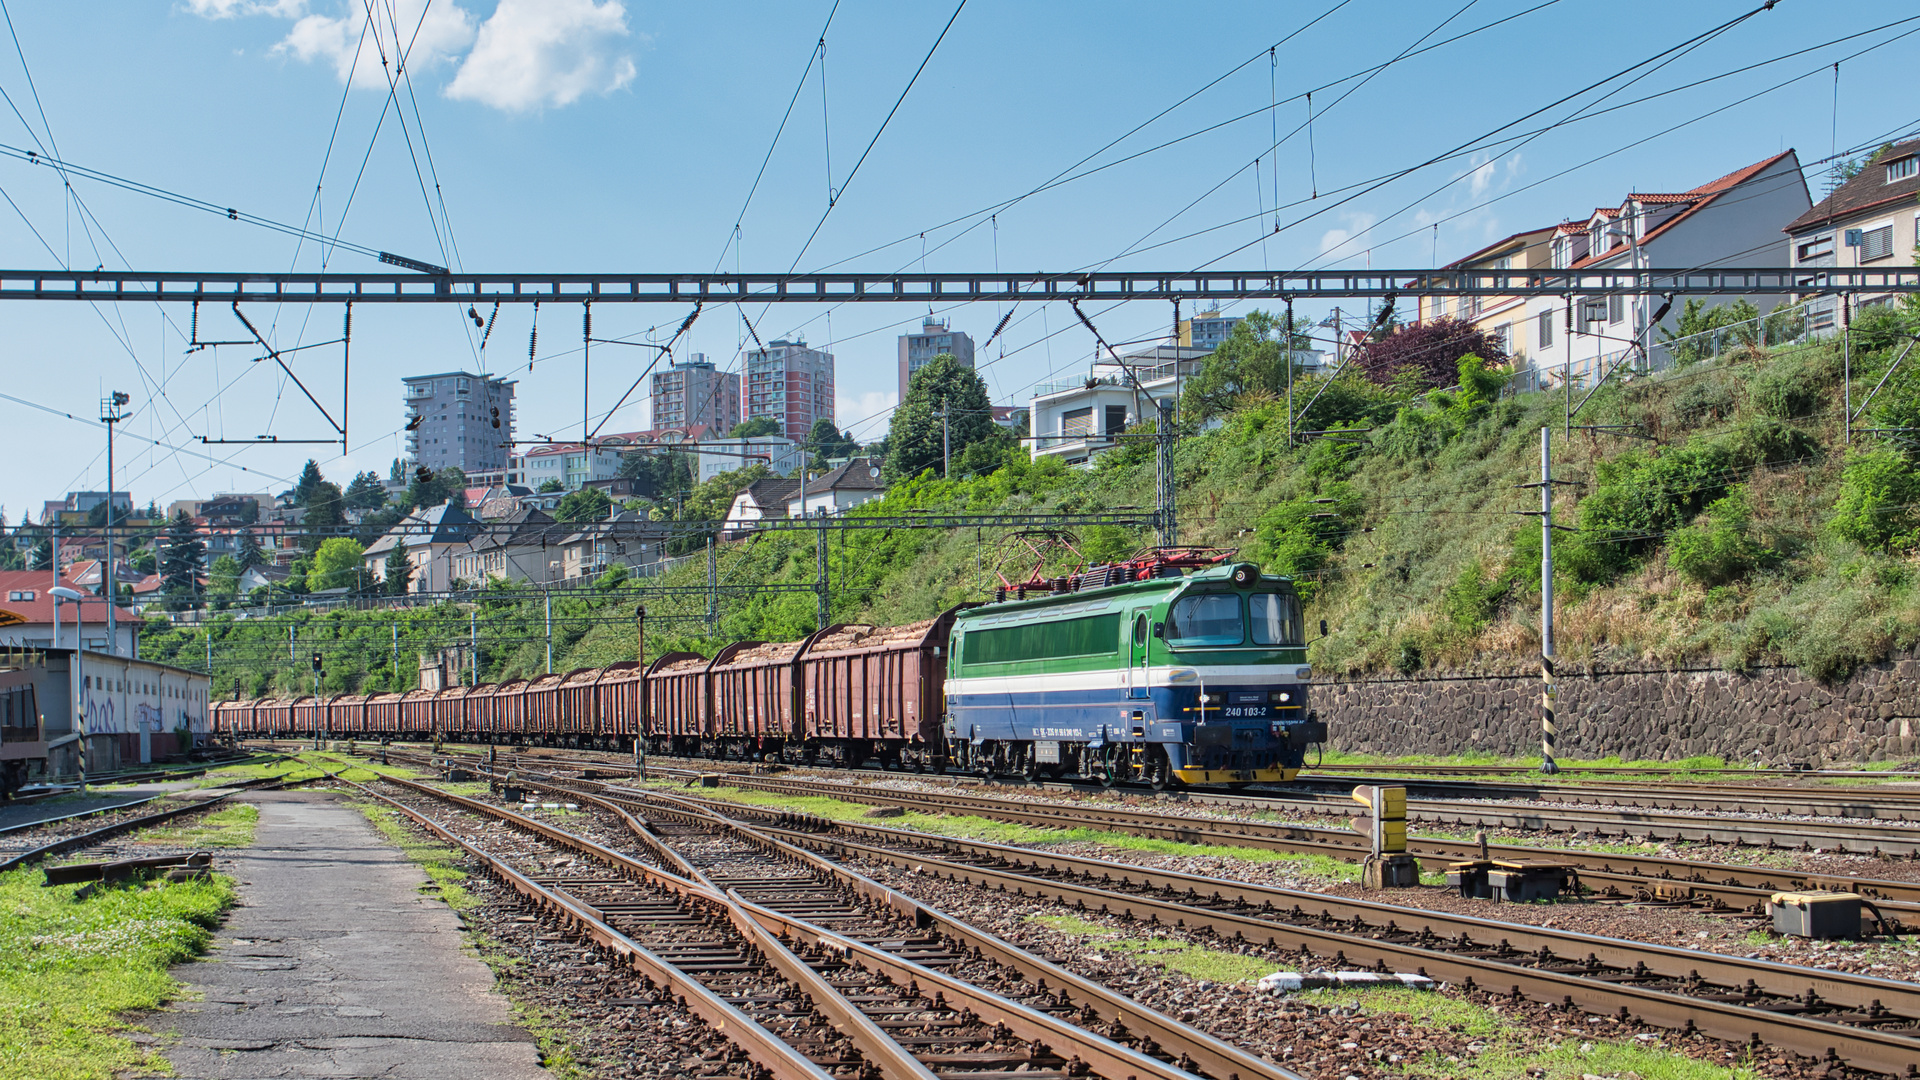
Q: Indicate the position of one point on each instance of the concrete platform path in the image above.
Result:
(335, 966)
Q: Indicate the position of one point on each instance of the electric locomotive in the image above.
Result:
(1136, 672)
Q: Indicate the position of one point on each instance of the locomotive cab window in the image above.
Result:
(1206, 619)
(1276, 619)
(1140, 629)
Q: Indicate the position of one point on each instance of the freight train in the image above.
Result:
(1175, 667)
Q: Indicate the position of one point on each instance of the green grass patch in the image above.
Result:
(70, 968)
(1193, 961)
(969, 827)
(229, 826)
(1513, 1052)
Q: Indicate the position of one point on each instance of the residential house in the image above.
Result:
(715, 456)
(431, 537)
(628, 539)
(839, 490)
(24, 595)
(1730, 222)
(1872, 220)
(1504, 317)
(523, 546)
(569, 464)
(273, 578)
(763, 499)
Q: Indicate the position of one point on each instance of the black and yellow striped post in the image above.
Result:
(1548, 732)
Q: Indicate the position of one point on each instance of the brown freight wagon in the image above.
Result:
(877, 693)
(677, 703)
(480, 711)
(235, 718)
(347, 716)
(756, 697)
(450, 708)
(416, 712)
(383, 714)
(617, 701)
(507, 712)
(579, 710)
(540, 707)
(274, 717)
(306, 714)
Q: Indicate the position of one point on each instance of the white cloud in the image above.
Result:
(347, 44)
(1483, 173)
(227, 9)
(1349, 240)
(535, 53)
(870, 406)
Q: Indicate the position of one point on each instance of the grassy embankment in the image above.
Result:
(75, 960)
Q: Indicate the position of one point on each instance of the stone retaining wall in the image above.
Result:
(1771, 715)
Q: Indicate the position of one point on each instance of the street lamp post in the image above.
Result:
(76, 597)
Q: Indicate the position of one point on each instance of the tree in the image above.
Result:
(366, 492)
(1249, 360)
(755, 428)
(310, 478)
(660, 477)
(182, 562)
(336, 565)
(249, 553)
(326, 511)
(550, 485)
(145, 560)
(825, 442)
(40, 555)
(586, 504)
(430, 489)
(1427, 354)
(397, 471)
(916, 439)
(223, 580)
(399, 570)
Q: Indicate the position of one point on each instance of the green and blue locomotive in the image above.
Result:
(1156, 676)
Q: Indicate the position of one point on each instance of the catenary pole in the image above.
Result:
(1548, 731)
(549, 633)
(1163, 461)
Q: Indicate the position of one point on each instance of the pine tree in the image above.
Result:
(399, 570)
(366, 492)
(310, 478)
(249, 554)
(183, 561)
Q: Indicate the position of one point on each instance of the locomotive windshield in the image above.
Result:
(1276, 619)
(1217, 619)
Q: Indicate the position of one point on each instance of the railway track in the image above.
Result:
(1720, 888)
(1865, 1023)
(1654, 814)
(74, 841)
(869, 984)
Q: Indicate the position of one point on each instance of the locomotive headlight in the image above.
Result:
(1212, 699)
(1280, 697)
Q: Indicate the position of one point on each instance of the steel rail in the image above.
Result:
(782, 1060)
(1864, 999)
(1874, 804)
(1210, 1055)
(1858, 992)
(1862, 1048)
(1654, 878)
(1108, 1058)
(1766, 834)
(107, 832)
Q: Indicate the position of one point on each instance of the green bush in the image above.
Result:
(1637, 500)
(1879, 504)
(1719, 548)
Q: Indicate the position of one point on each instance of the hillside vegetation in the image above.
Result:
(1740, 529)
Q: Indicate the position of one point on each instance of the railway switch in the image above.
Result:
(1388, 866)
(1816, 914)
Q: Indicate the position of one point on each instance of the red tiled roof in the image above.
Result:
(1699, 197)
(40, 608)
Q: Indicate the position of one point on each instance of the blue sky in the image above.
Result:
(602, 135)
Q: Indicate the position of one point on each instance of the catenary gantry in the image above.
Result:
(438, 287)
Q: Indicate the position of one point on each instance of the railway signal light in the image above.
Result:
(317, 662)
